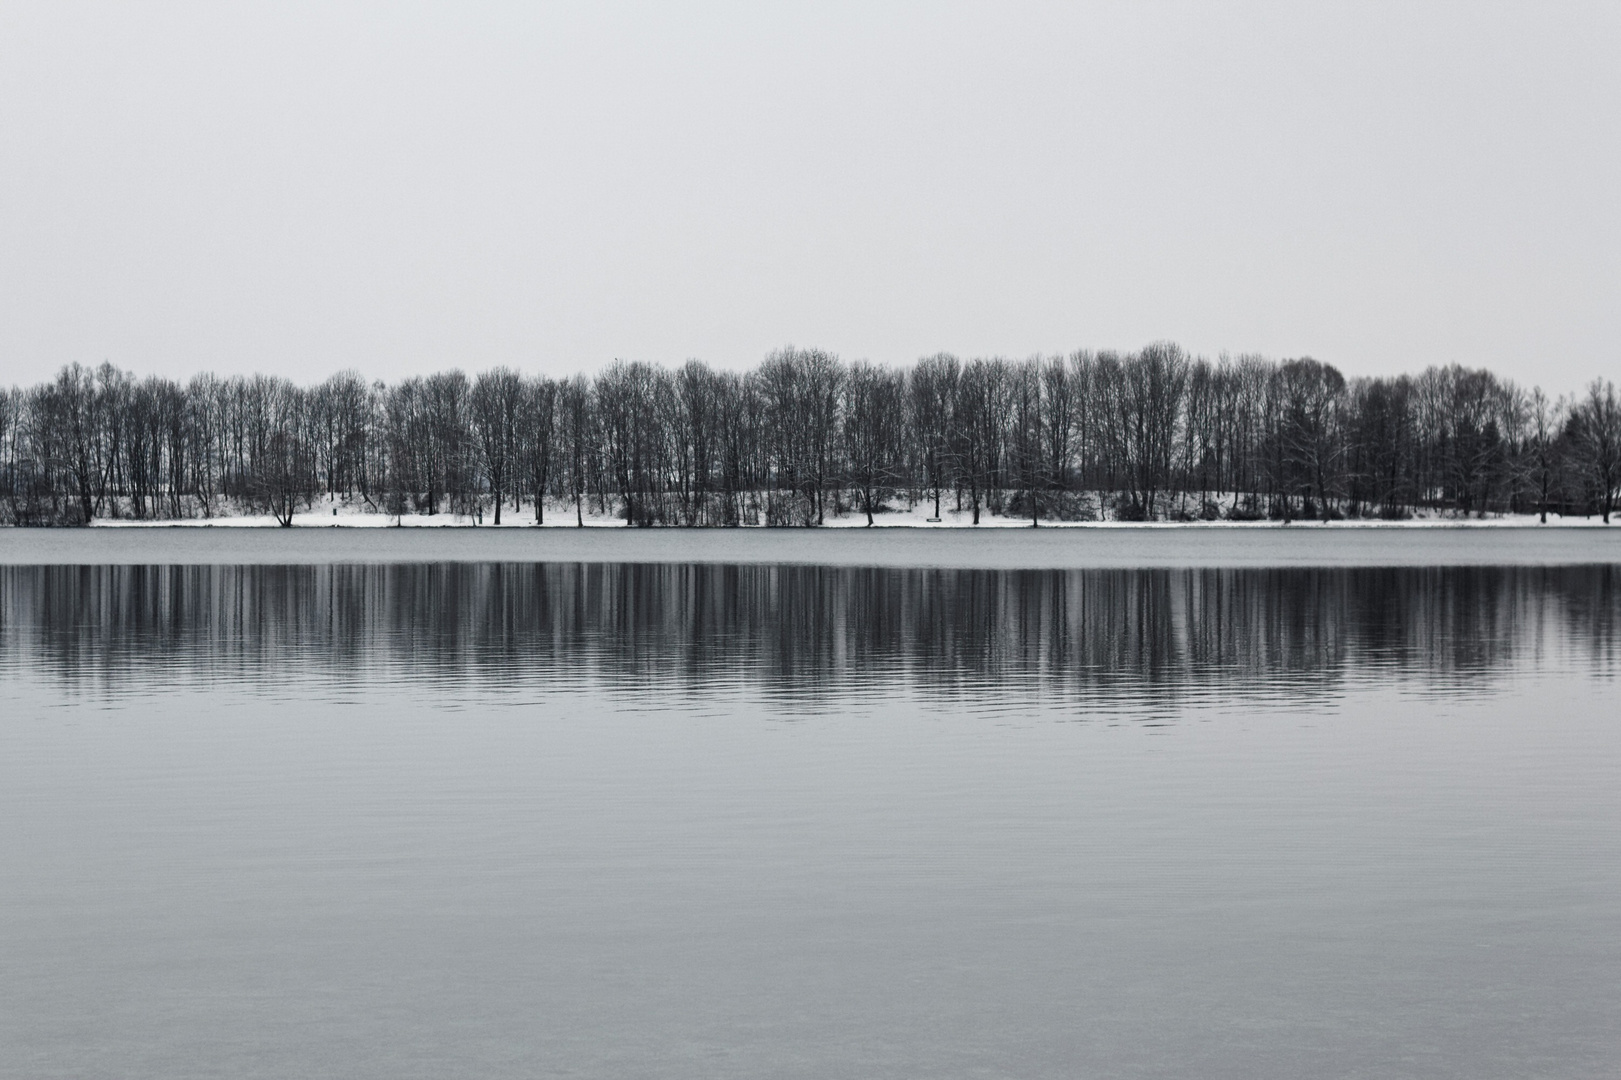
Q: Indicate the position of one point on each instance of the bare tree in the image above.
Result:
(874, 406)
(1545, 420)
(1027, 434)
(979, 428)
(1143, 395)
(540, 408)
(283, 466)
(1309, 427)
(933, 406)
(576, 421)
(498, 402)
(1597, 424)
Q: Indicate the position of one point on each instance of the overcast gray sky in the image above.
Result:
(401, 188)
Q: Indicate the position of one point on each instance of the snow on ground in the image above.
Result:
(341, 513)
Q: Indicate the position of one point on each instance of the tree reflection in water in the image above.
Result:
(804, 637)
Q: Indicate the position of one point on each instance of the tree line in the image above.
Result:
(1155, 434)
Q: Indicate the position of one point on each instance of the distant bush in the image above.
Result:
(1052, 505)
(1245, 511)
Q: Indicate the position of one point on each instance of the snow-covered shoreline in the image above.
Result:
(347, 514)
(887, 521)
(1115, 545)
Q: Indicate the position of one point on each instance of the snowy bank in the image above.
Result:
(1092, 546)
(342, 513)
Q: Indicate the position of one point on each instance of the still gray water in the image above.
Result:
(759, 819)
(1128, 547)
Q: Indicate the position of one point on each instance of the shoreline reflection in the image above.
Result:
(804, 637)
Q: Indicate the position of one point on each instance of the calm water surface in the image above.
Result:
(747, 820)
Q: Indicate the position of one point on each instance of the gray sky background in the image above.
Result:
(401, 188)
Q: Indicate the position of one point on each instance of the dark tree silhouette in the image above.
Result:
(1149, 435)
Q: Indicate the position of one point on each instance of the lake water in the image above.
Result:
(1087, 547)
(321, 817)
